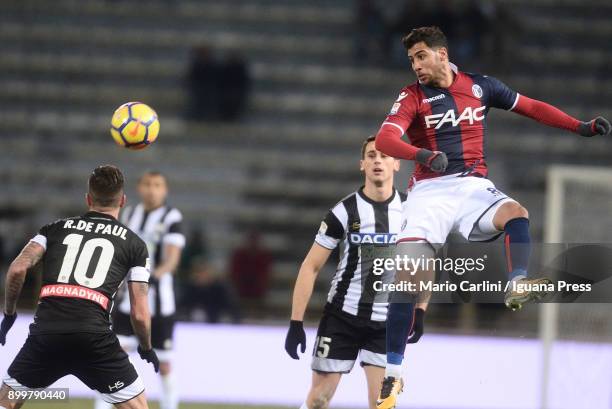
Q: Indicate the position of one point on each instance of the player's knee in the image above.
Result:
(320, 401)
(517, 211)
(507, 212)
(320, 397)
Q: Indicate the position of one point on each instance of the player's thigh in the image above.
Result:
(41, 361)
(107, 369)
(416, 267)
(337, 344)
(138, 402)
(162, 338)
(483, 199)
(373, 344)
(429, 212)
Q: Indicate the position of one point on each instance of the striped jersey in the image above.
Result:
(156, 228)
(451, 120)
(352, 224)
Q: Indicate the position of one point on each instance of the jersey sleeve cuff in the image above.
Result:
(139, 274)
(326, 241)
(175, 239)
(515, 102)
(40, 239)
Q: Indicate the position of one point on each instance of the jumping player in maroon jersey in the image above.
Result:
(444, 116)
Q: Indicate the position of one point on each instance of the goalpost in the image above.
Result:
(578, 210)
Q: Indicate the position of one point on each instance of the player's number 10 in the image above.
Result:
(73, 241)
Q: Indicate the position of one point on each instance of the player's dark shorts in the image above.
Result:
(162, 330)
(96, 359)
(342, 338)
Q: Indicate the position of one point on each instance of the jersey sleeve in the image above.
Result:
(403, 111)
(332, 229)
(174, 234)
(500, 95)
(41, 237)
(140, 268)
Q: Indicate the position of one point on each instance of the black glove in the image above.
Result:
(149, 356)
(295, 337)
(7, 323)
(417, 329)
(597, 126)
(436, 161)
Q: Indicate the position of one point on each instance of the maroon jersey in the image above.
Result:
(451, 120)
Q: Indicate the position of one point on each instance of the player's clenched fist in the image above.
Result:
(436, 160)
(295, 336)
(597, 126)
(6, 325)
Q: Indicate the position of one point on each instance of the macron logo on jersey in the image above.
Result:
(432, 99)
(468, 114)
(372, 238)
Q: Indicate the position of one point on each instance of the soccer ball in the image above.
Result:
(134, 125)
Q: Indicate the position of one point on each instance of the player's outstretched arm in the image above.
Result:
(31, 254)
(552, 116)
(141, 321)
(312, 264)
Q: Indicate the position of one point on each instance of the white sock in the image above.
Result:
(393, 370)
(304, 406)
(169, 399)
(100, 404)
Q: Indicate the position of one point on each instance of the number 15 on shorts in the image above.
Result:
(321, 348)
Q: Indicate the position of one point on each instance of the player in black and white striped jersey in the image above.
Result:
(353, 323)
(160, 227)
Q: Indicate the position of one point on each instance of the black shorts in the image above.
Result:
(96, 359)
(342, 337)
(162, 329)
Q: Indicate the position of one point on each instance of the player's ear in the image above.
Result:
(361, 168)
(88, 200)
(443, 53)
(123, 200)
(396, 165)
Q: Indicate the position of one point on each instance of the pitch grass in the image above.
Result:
(88, 404)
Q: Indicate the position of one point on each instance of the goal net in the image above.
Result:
(577, 338)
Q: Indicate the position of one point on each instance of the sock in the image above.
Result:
(394, 371)
(304, 406)
(169, 399)
(100, 404)
(518, 247)
(400, 319)
(2, 407)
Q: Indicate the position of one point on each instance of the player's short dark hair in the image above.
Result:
(105, 186)
(151, 172)
(365, 143)
(432, 36)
